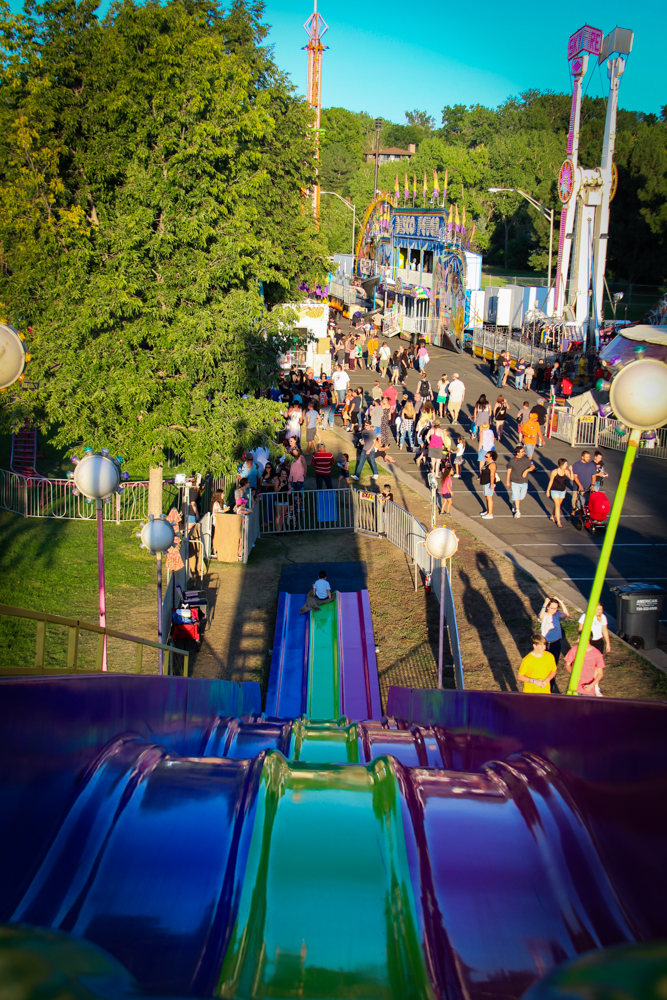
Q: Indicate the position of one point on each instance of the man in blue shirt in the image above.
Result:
(583, 472)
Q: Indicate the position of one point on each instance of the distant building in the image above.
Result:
(392, 154)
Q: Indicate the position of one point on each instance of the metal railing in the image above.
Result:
(601, 432)
(311, 510)
(490, 343)
(75, 627)
(32, 496)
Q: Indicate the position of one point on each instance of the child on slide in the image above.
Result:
(319, 595)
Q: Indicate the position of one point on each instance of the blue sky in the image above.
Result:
(389, 57)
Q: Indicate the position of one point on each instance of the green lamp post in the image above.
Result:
(638, 397)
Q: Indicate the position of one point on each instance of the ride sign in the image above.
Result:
(587, 39)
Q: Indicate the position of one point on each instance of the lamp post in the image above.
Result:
(548, 213)
(157, 535)
(638, 397)
(348, 204)
(441, 543)
(378, 127)
(97, 475)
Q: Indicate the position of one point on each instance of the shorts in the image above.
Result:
(310, 433)
(446, 496)
(558, 494)
(481, 455)
(519, 491)
(435, 453)
(441, 399)
(298, 485)
(488, 490)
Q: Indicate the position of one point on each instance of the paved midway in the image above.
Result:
(563, 554)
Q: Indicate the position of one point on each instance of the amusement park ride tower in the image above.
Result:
(586, 194)
(315, 27)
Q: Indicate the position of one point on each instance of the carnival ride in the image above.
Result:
(463, 845)
(586, 193)
(315, 27)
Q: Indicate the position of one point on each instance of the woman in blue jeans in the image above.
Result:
(407, 424)
(552, 613)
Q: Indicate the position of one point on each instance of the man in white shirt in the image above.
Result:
(457, 393)
(340, 381)
(319, 595)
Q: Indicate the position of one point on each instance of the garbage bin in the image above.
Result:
(638, 608)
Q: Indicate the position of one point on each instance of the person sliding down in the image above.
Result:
(319, 595)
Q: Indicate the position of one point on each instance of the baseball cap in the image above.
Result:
(455, 375)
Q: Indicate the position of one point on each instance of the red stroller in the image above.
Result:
(591, 511)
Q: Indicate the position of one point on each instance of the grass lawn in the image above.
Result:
(51, 565)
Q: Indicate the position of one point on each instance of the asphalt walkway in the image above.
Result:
(564, 555)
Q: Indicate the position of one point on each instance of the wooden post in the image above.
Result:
(155, 491)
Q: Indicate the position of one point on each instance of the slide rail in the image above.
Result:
(74, 627)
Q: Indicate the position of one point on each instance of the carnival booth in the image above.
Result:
(422, 259)
(311, 341)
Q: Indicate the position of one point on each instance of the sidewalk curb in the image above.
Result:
(654, 656)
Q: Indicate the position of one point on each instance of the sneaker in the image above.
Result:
(374, 477)
(355, 477)
(517, 513)
(456, 477)
(489, 517)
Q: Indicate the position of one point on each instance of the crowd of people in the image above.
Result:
(538, 669)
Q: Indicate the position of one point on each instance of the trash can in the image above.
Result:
(638, 608)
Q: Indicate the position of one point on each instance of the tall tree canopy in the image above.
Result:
(522, 143)
(151, 208)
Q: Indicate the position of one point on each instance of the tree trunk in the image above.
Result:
(155, 491)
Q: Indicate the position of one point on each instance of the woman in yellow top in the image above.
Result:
(538, 669)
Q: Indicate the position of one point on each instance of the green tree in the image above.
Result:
(151, 169)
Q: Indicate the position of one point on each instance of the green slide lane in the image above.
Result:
(334, 742)
(327, 907)
(323, 697)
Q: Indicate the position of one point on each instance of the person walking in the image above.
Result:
(599, 630)
(424, 389)
(385, 355)
(541, 411)
(457, 394)
(368, 437)
(323, 461)
(486, 442)
(500, 368)
(395, 368)
(592, 669)
(340, 381)
(435, 443)
(487, 479)
(518, 470)
(407, 425)
(459, 453)
(557, 488)
(481, 414)
(530, 431)
(311, 426)
(445, 489)
(539, 376)
(422, 357)
(507, 368)
(519, 373)
(442, 395)
(552, 614)
(500, 416)
(538, 668)
(528, 376)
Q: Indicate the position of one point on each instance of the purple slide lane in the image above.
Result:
(357, 664)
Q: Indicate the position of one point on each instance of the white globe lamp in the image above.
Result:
(157, 535)
(638, 394)
(13, 356)
(97, 475)
(441, 543)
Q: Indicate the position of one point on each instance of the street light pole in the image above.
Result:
(378, 126)
(548, 213)
(348, 204)
(441, 543)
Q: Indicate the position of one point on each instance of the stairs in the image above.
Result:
(24, 452)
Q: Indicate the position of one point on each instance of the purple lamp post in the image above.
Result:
(97, 476)
(157, 535)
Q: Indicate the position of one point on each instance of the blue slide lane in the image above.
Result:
(286, 697)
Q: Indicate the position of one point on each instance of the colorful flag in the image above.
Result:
(458, 221)
(450, 220)
(472, 234)
(397, 189)
(414, 186)
(407, 187)
(436, 185)
(463, 220)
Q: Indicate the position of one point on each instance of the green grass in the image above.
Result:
(51, 565)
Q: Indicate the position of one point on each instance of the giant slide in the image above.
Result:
(460, 847)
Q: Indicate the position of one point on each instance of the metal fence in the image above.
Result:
(35, 497)
(487, 343)
(312, 510)
(601, 432)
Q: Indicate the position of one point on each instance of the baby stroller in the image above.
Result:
(591, 511)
